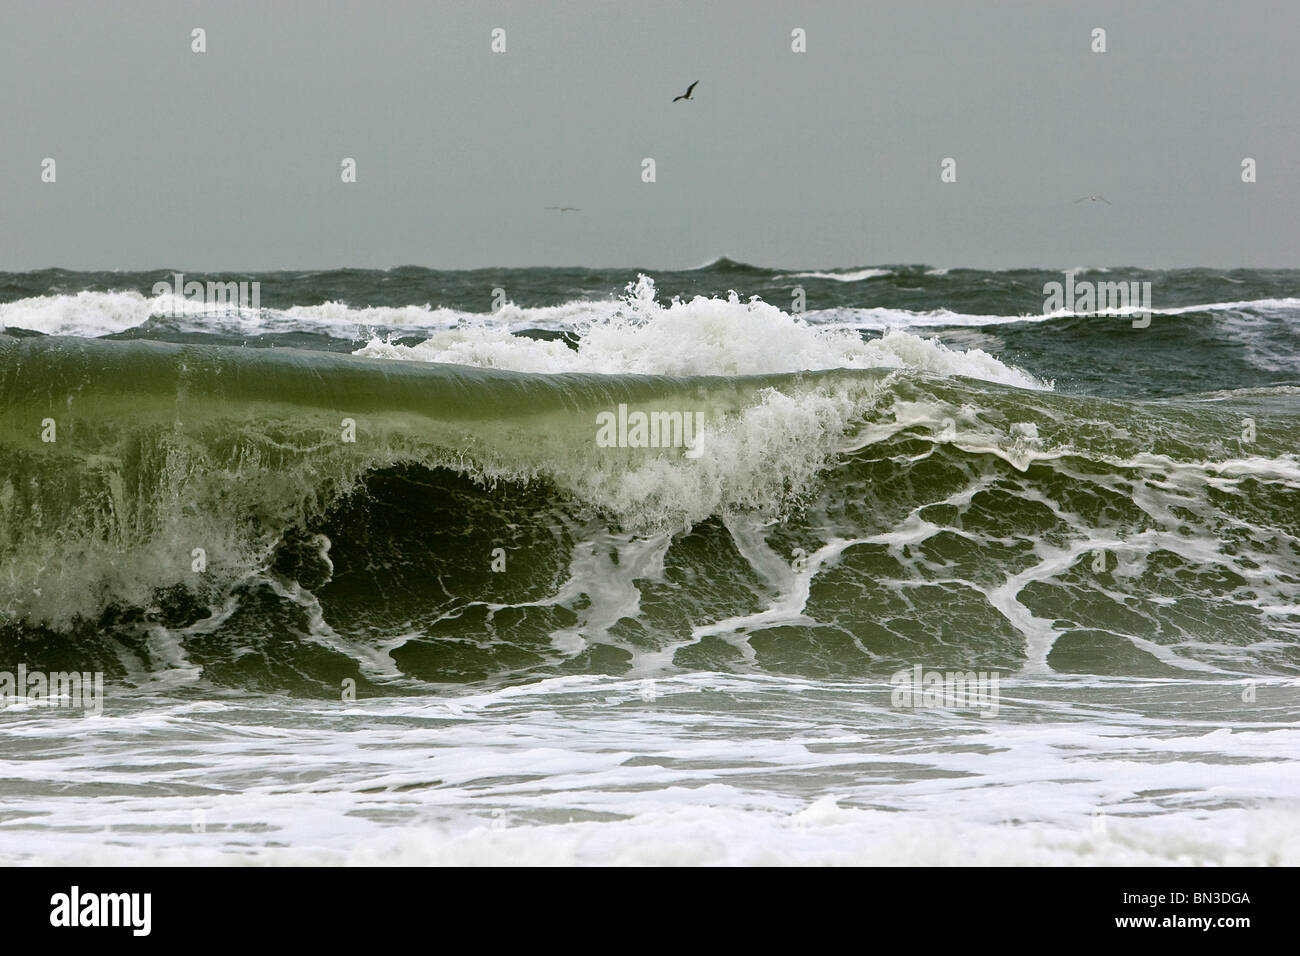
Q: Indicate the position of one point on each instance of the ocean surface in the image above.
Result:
(388, 567)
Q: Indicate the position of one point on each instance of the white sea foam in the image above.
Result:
(87, 314)
(856, 275)
(703, 336)
(608, 770)
(104, 313)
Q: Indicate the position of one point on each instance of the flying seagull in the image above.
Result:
(1093, 198)
(687, 94)
(565, 208)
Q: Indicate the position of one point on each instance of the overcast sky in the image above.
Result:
(231, 159)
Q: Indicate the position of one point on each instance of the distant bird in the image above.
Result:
(565, 208)
(687, 94)
(1093, 198)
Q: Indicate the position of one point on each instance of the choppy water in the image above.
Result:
(561, 651)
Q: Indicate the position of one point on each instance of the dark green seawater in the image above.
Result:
(368, 548)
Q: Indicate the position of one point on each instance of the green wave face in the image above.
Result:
(210, 506)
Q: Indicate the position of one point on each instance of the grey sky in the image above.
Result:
(230, 159)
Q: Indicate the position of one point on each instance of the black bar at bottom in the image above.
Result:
(304, 906)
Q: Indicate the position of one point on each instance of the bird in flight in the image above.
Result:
(565, 208)
(1093, 198)
(687, 94)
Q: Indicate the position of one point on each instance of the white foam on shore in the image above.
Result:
(605, 770)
